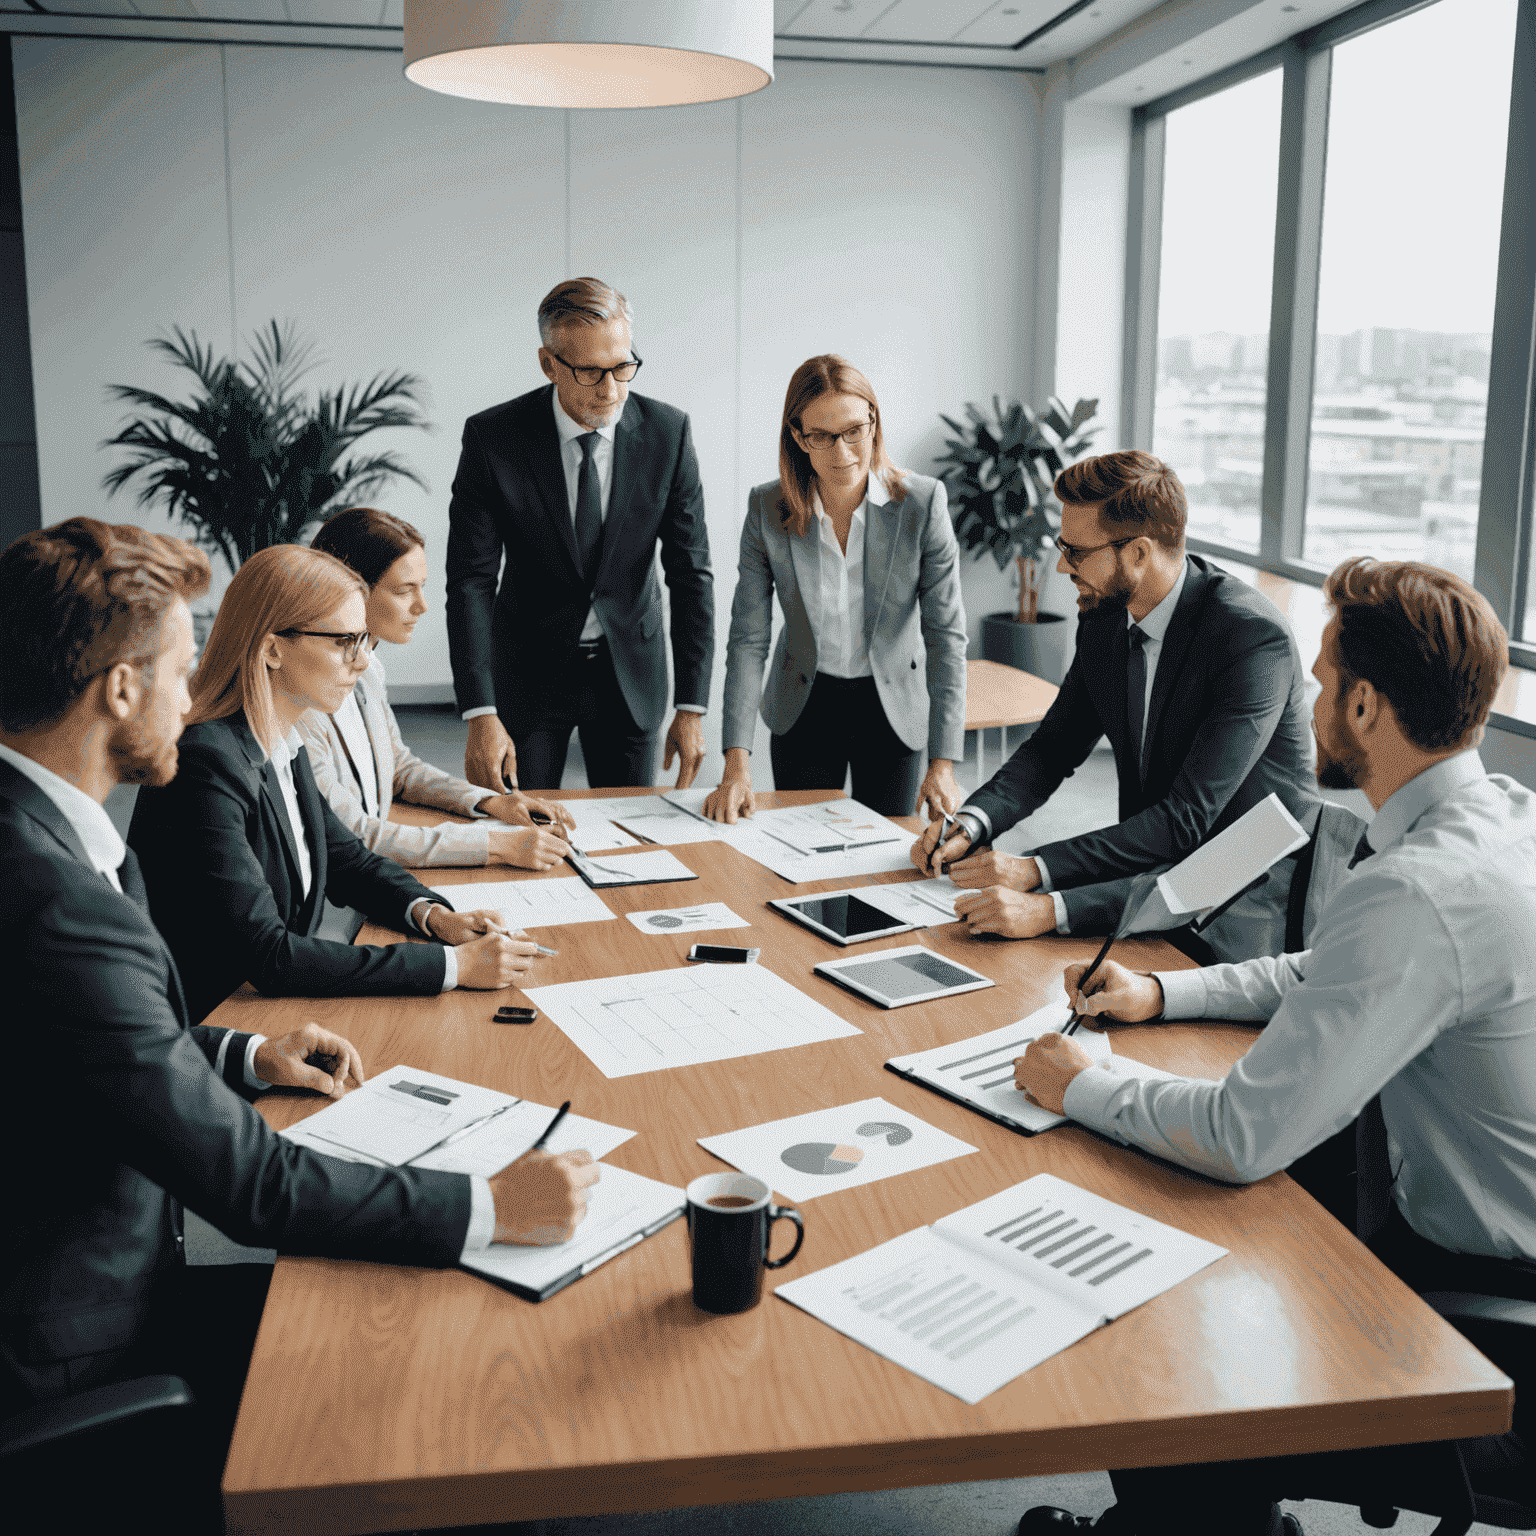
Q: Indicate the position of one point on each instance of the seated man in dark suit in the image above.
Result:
(130, 1112)
(579, 484)
(1412, 1018)
(1192, 674)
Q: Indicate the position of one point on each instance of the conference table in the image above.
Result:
(384, 1398)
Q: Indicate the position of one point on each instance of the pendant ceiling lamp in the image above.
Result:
(600, 53)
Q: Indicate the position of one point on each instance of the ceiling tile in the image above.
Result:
(927, 21)
(1007, 21)
(837, 18)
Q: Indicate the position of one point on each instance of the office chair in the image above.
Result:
(92, 1459)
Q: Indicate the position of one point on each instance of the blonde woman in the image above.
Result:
(362, 763)
(239, 851)
(870, 664)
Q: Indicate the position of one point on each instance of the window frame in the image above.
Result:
(1503, 549)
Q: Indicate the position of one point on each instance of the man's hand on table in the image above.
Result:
(929, 856)
(1006, 913)
(938, 791)
(1114, 993)
(542, 1197)
(989, 867)
(685, 741)
(490, 759)
(491, 956)
(734, 797)
(1047, 1068)
(311, 1057)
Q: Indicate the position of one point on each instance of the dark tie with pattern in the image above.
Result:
(1373, 1165)
(589, 512)
(1136, 691)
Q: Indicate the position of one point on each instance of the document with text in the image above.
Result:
(548, 903)
(989, 1292)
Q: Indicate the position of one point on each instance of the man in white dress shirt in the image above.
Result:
(1413, 1015)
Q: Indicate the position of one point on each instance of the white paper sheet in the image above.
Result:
(829, 826)
(684, 1016)
(659, 821)
(595, 829)
(706, 918)
(923, 903)
(620, 1208)
(650, 865)
(532, 903)
(1233, 859)
(758, 843)
(831, 1149)
(989, 1292)
(487, 1149)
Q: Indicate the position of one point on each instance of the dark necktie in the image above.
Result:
(131, 880)
(589, 512)
(1136, 691)
(1373, 1167)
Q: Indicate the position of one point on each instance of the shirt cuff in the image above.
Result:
(415, 917)
(977, 822)
(218, 1060)
(1060, 903)
(482, 1215)
(450, 968)
(1184, 994)
(1045, 874)
(1089, 1099)
(692, 709)
(252, 1081)
(479, 709)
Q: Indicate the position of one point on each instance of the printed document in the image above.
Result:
(659, 821)
(684, 1016)
(707, 917)
(986, 1294)
(549, 903)
(595, 830)
(1228, 863)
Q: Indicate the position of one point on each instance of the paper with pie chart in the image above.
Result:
(829, 1149)
(700, 919)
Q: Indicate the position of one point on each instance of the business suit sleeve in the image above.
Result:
(1246, 697)
(943, 625)
(112, 1036)
(690, 581)
(746, 649)
(473, 567)
(208, 889)
(1059, 745)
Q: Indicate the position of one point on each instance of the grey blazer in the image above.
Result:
(396, 774)
(914, 621)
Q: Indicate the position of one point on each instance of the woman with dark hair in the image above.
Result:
(362, 764)
(870, 665)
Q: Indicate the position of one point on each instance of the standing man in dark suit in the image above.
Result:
(576, 484)
(129, 1112)
(1192, 674)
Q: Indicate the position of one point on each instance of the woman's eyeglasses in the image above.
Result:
(821, 440)
(349, 642)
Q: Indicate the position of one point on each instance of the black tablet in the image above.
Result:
(841, 916)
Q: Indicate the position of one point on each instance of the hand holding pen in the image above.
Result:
(542, 1198)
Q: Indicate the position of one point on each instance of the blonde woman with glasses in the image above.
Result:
(870, 665)
(239, 851)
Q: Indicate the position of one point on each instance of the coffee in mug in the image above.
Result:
(730, 1217)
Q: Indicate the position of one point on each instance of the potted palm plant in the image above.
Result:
(247, 460)
(999, 472)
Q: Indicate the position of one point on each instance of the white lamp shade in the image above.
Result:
(601, 53)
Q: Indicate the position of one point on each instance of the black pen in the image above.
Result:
(549, 1130)
(1070, 1028)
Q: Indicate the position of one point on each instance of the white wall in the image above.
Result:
(884, 212)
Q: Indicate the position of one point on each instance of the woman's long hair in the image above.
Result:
(284, 587)
(815, 377)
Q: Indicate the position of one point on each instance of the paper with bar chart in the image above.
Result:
(986, 1294)
(681, 1017)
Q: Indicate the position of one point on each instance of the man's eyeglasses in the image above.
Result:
(349, 642)
(820, 440)
(622, 374)
(1075, 554)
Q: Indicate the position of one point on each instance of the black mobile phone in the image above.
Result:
(727, 953)
(515, 1015)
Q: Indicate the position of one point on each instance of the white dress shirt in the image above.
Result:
(835, 610)
(570, 433)
(106, 851)
(1155, 628)
(1421, 986)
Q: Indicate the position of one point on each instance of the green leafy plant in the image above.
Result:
(999, 475)
(247, 460)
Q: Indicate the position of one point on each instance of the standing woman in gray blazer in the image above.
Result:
(361, 763)
(869, 670)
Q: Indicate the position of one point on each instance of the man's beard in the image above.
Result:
(1339, 769)
(1114, 599)
(140, 757)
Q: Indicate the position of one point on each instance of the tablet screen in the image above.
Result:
(903, 977)
(846, 916)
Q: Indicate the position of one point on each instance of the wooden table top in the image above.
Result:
(384, 1398)
(998, 695)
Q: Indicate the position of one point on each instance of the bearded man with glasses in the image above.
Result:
(576, 484)
(1194, 677)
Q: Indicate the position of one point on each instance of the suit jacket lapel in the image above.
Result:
(312, 813)
(1176, 643)
(628, 450)
(374, 706)
(356, 735)
(805, 556)
(271, 792)
(882, 541)
(21, 791)
(546, 469)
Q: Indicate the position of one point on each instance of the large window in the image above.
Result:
(1331, 297)
(1418, 119)
(1220, 171)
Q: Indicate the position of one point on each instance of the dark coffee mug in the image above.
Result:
(729, 1219)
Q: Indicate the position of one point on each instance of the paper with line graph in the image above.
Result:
(679, 1018)
(986, 1294)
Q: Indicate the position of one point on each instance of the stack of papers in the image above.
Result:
(989, 1292)
(531, 903)
(658, 820)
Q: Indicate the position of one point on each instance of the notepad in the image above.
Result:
(1227, 864)
(989, 1292)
